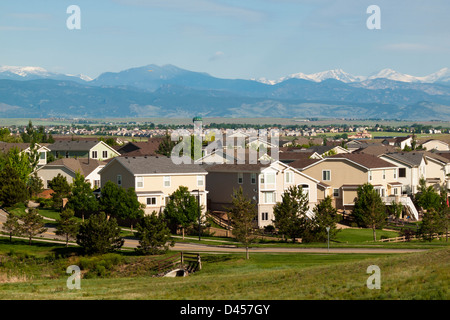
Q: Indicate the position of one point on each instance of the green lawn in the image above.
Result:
(265, 276)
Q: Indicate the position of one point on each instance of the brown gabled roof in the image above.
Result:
(366, 160)
(303, 163)
(376, 150)
(83, 166)
(138, 149)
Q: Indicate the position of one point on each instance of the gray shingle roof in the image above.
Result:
(158, 164)
(412, 158)
(73, 145)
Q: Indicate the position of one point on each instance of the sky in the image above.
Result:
(227, 39)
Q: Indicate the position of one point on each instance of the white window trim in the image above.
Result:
(137, 182)
(326, 171)
(289, 174)
(96, 154)
(240, 178)
(103, 154)
(167, 179)
(309, 189)
(151, 205)
(253, 178)
(119, 178)
(338, 192)
(202, 179)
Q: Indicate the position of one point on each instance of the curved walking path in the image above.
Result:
(192, 247)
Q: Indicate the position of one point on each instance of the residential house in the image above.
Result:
(155, 179)
(68, 167)
(413, 166)
(138, 149)
(92, 149)
(263, 183)
(343, 174)
(436, 145)
(25, 147)
(399, 142)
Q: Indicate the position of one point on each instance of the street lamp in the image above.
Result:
(328, 231)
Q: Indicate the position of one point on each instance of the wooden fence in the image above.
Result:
(189, 261)
(408, 238)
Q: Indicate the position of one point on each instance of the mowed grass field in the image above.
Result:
(421, 275)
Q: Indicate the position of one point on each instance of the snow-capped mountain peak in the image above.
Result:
(33, 73)
(442, 75)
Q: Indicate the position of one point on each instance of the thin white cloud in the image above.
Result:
(217, 56)
(200, 6)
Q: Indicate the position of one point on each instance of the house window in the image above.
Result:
(94, 154)
(240, 177)
(395, 173)
(200, 181)
(370, 175)
(261, 179)
(119, 180)
(402, 172)
(395, 191)
(269, 197)
(105, 154)
(289, 177)
(166, 181)
(305, 189)
(335, 193)
(264, 216)
(67, 154)
(139, 182)
(96, 183)
(384, 174)
(151, 201)
(253, 178)
(270, 178)
(326, 175)
(42, 156)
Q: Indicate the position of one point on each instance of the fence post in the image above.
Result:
(199, 261)
(182, 258)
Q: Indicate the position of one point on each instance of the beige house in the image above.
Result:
(155, 179)
(434, 144)
(68, 168)
(344, 174)
(263, 183)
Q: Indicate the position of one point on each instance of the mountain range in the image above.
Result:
(169, 91)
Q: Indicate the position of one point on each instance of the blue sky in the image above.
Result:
(227, 39)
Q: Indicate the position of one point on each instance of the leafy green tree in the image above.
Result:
(61, 189)
(242, 214)
(21, 162)
(81, 199)
(181, 209)
(427, 197)
(117, 202)
(153, 234)
(325, 215)
(431, 224)
(12, 226)
(67, 225)
(34, 185)
(98, 234)
(12, 188)
(33, 224)
(166, 146)
(369, 210)
(290, 213)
